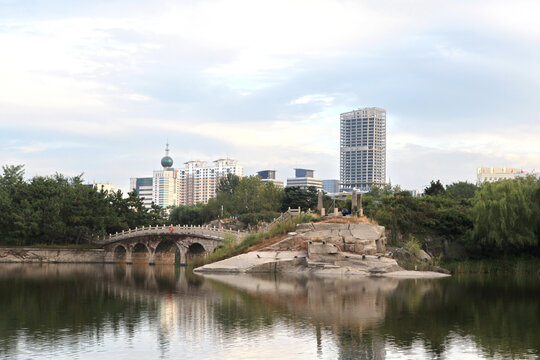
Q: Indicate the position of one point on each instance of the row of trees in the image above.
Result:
(61, 210)
(500, 217)
(495, 217)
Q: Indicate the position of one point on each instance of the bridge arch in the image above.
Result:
(140, 253)
(194, 250)
(167, 252)
(120, 253)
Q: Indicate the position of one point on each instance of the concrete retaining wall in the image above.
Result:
(39, 255)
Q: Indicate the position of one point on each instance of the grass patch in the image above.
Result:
(229, 249)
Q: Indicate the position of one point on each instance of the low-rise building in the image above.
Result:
(492, 174)
(270, 176)
(304, 179)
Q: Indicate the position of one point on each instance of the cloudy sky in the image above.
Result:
(97, 87)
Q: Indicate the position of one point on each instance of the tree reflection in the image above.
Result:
(45, 309)
(502, 315)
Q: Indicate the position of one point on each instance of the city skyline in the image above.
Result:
(96, 88)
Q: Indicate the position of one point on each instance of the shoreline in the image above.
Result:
(302, 263)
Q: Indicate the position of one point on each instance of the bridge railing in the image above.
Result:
(207, 231)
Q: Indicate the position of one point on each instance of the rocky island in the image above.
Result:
(322, 249)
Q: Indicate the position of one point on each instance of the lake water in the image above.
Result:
(84, 311)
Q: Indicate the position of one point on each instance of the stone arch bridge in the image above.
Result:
(164, 244)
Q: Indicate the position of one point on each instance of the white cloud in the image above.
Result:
(313, 98)
(76, 75)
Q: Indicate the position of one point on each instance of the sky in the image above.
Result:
(98, 87)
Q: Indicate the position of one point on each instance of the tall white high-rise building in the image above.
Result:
(198, 181)
(362, 149)
(165, 183)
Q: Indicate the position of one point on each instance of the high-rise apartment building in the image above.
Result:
(362, 149)
(198, 181)
(165, 183)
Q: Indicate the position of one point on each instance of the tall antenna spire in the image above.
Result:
(167, 161)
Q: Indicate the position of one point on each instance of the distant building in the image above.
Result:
(330, 186)
(108, 188)
(270, 176)
(300, 173)
(304, 179)
(267, 174)
(144, 189)
(492, 174)
(362, 149)
(165, 183)
(415, 192)
(197, 182)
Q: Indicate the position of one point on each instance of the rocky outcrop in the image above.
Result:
(321, 249)
(321, 260)
(294, 262)
(363, 238)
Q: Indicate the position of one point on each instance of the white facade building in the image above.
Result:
(198, 181)
(303, 179)
(492, 174)
(362, 149)
(164, 183)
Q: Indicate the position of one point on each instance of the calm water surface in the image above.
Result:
(143, 312)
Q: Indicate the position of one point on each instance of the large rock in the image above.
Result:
(363, 238)
(329, 226)
(367, 231)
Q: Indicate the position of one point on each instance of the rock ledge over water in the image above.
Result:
(320, 259)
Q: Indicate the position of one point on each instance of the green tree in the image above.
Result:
(461, 190)
(295, 197)
(60, 210)
(506, 215)
(434, 188)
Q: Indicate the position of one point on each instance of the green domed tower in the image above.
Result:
(167, 161)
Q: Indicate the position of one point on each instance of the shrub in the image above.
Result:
(413, 247)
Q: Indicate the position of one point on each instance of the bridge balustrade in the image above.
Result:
(207, 231)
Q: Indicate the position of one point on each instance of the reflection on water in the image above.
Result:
(116, 311)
